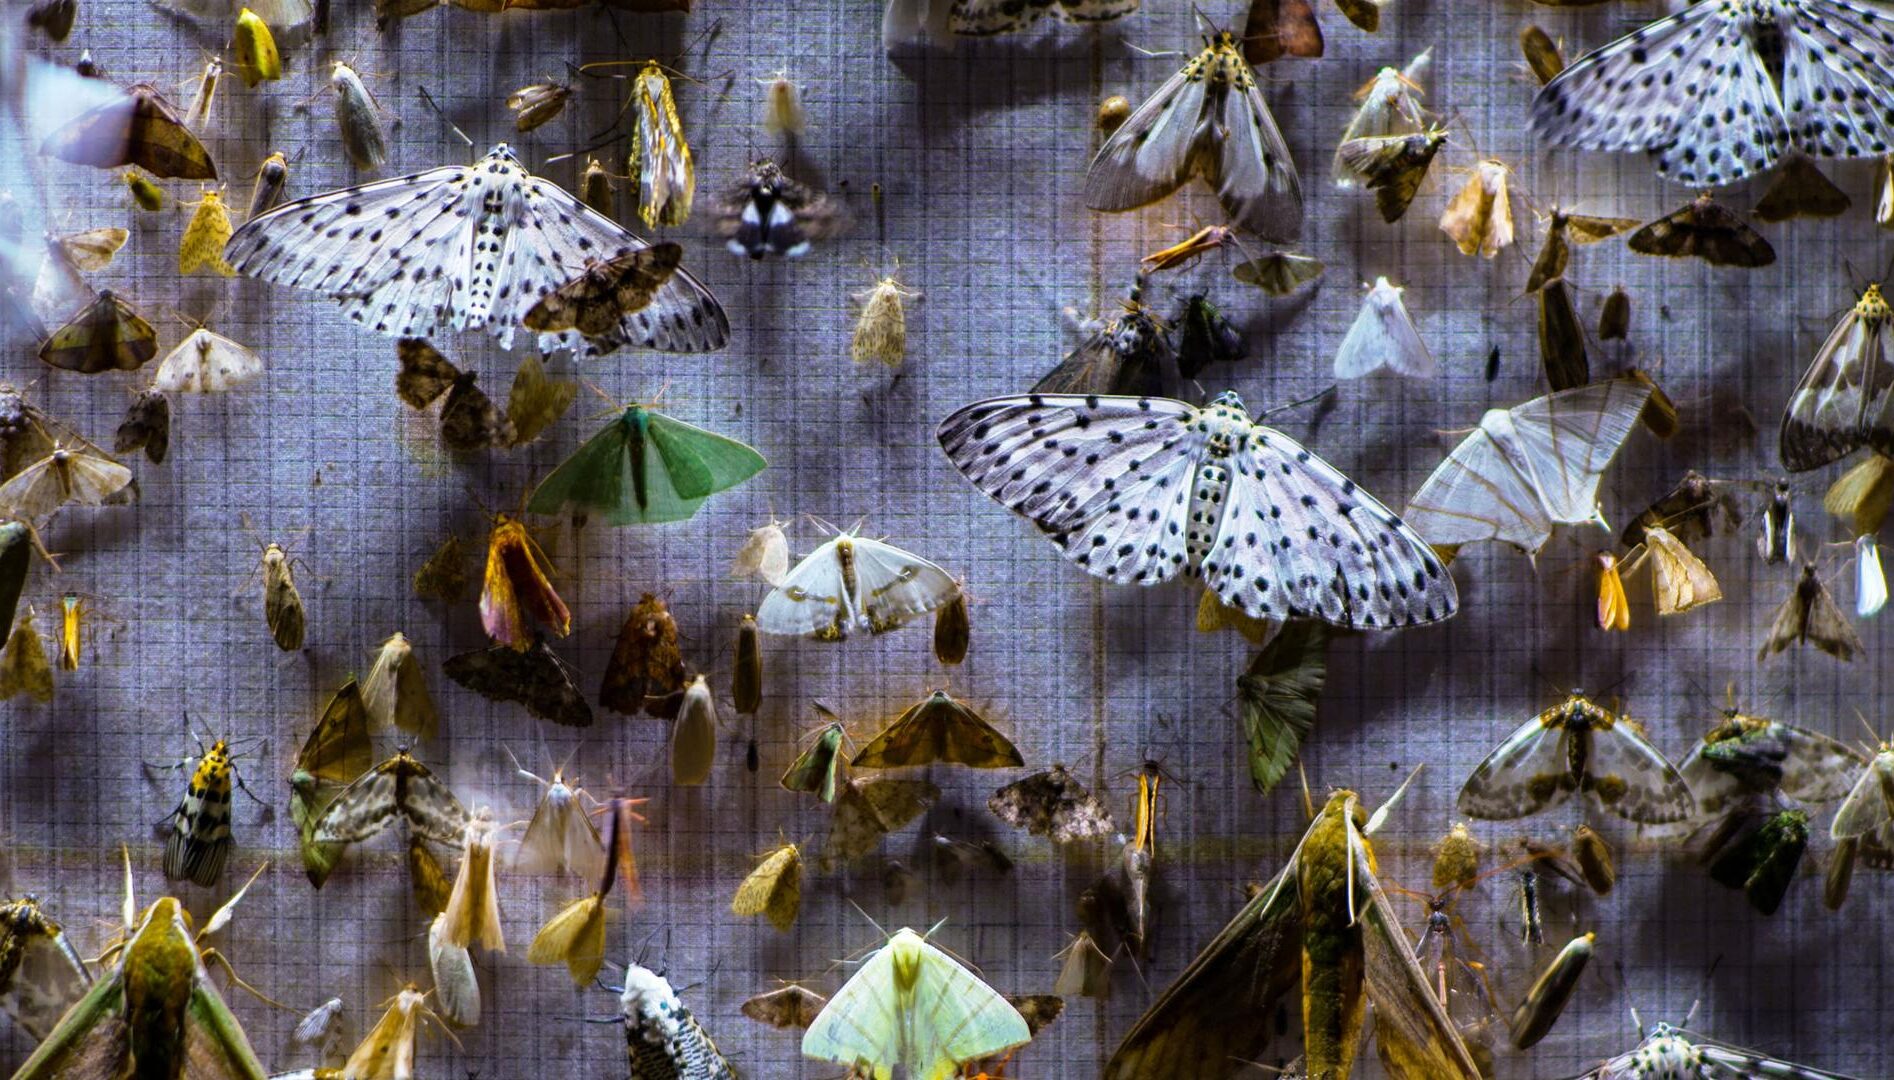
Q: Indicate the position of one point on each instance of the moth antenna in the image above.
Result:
(1380, 816)
(1311, 399)
(1308, 804)
(429, 98)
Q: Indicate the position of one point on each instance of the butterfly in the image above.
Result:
(1841, 403)
(1722, 90)
(1528, 468)
(1383, 335)
(645, 467)
(1577, 746)
(1209, 119)
(911, 1008)
(1141, 490)
(767, 213)
(382, 249)
(206, 363)
(854, 583)
(1669, 1051)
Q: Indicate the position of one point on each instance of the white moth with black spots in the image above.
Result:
(1141, 490)
(1721, 90)
(1669, 1053)
(464, 247)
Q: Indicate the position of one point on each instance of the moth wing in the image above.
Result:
(1788, 626)
(24, 668)
(895, 586)
(471, 421)
(1867, 807)
(1828, 629)
(1841, 400)
(597, 475)
(1523, 775)
(215, 1046)
(339, 749)
(966, 738)
(1150, 155)
(95, 478)
(1475, 493)
(50, 978)
(1415, 1035)
(1679, 579)
(1100, 366)
(535, 401)
(1722, 1061)
(815, 769)
(1568, 438)
(425, 374)
(358, 811)
(808, 600)
(859, 1024)
(971, 1020)
(981, 18)
(867, 810)
(574, 936)
(433, 810)
(1835, 65)
(1816, 768)
(1202, 1026)
(1621, 759)
(90, 1040)
(702, 462)
(1252, 172)
(1714, 789)
(1383, 335)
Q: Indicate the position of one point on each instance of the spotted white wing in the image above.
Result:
(1630, 778)
(205, 362)
(1721, 1061)
(1523, 775)
(1107, 478)
(1838, 74)
(1299, 540)
(1689, 88)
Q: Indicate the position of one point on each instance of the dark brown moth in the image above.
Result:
(106, 335)
(536, 678)
(646, 662)
(1614, 321)
(1561, 339)
(938, 728)
(1054, 804)
(1563, 230)
(1800, 190)
(140, 129)
(1278, 28)
(1704, 229)
(606, 291)
(444, 575)
(147, 427)
(1130, 354)
(1542, 54)
(1393, 166)
(1809, 616)
(469, 419)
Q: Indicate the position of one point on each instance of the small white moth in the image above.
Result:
(355, 113)
(783, 113)
(456, 988)
(561, 836)
(765, 553)
(851, 584)
(1870, 581)
(1383, 336)
(206, 363)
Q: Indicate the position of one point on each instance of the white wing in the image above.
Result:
(1870, 581)
(1841, 402)
(890, 586)
(1249, 165)
(1149, 156)
(1108, 478)
(1567, 439)
(205, 363)
(809, 600)
(561, 836)
(1867, 806)
(1388, 106)
(893, 586)
(1299, 540)
(1383, 335)
(1477, 494)
(1630, 778)
(1837, 76)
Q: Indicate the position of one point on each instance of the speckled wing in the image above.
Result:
(1630, 778)
(1525, 774)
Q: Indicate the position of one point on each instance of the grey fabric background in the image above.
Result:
(980, 152)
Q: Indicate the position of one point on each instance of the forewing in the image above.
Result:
(702, 462)
(1568, 439)
(1842, 399)
(1477, 494)
(1523, 775)
(1868, 806)
(859, 1023)
(970, 1019)
(1632, 779)
(808, 600)
(1251, 170)
(895, 585)
(1415, 1035)
(358, 811)
(596, 477)
(90, 1042)
(215, 1046)
(432, 810)
(1816, 768)
(1150, 155)
(339, 749)
(1837, 72)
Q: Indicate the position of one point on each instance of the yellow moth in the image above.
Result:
(575, 937)
(388, 1051)
(773, 889)
(204, 238)
(881, 333)
(72, 631)
(395, 691)
(1480, 217)
(1614, 610)
(456, 988)
(473, 909)
(660, 157)
(254, 49)
(1679, 580)
(911, 1007)
(23, 666)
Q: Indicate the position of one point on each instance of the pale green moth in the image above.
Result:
(645, 467)
(912, 1007)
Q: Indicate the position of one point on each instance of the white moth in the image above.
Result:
(1209, 119)
(662, 1039)
(783, 114)
(561, 836)
(1141, 490)
(356, 115)
(197, 117)
(1390, 105)
(1529, 468)
(1383, 336)
(464, 247)
(1870, 581)
(206, 363)
(1697, 90)
(854, 583)
(456, 988)
(322, 1033)
(1672, 1052)
(1841, 402)
(764, 553)
(1868, 811)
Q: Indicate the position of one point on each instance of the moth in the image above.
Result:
(41, 973)
(646, 662)
(536, 678)
(75, 613)
(1278, 273)
(1870, 580)
(1140, 490)
(1800, 190)
(283, 610)
(107, 335)
(1679, 580)
(867, 810)
(1563, 229)
(24, 668)
(765, 553)
(1127, 354)
(1841, 401)
(444, 575)
(1480, 218)
(881, 330)
(595, 189)
(817, 769)
(598, 300)
(395, 692)
(1383, 335)
(1561, 338)
(980, 18)
(428, 882)
(1776, 542)
(388, 1051)
(660, 156)
(1053, 804)
(783, 112)
(1594, 859)
(1276, 699)
(663, 1040)
(1614, 319)
(746, 677)
(1707, 230)
(789, 1006)
(912, 1008)
(518, 588)
(1545, 1002)
(400, 785)
(773, 889)
(1325, 924)
(538, 104)
(1614, 607)
(314, 243)
(1529, 468)
(17, 540)
(1186, 251)
(1778, 67)
(560, 835)
(1207, 120)
(1543, 56)
(337, 751)
(694, 735)
(1456, 858)
(65, 475)
(1571, 747)
(197, 115)
(645, 467)
(1085, 970)
(1862, 496)
(1864, 821)
(854, 583)
(469, 419)
(147, 427)
(253, 50)
(1389, 105)
(356, 114)
(1808, 615)
(204, 237)
(206, 363)
(1762, 858)
(156, 1012)
(139, 127)
(768, 213)
(1392, 166)
(473, 908)
(575, 937)
(200, 840)
(1205, 336)
(456, 986)
(938, 728)
(271, 186)
(1668, 1051)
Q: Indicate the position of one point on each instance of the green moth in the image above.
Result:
(816, 769)
(645, 467)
